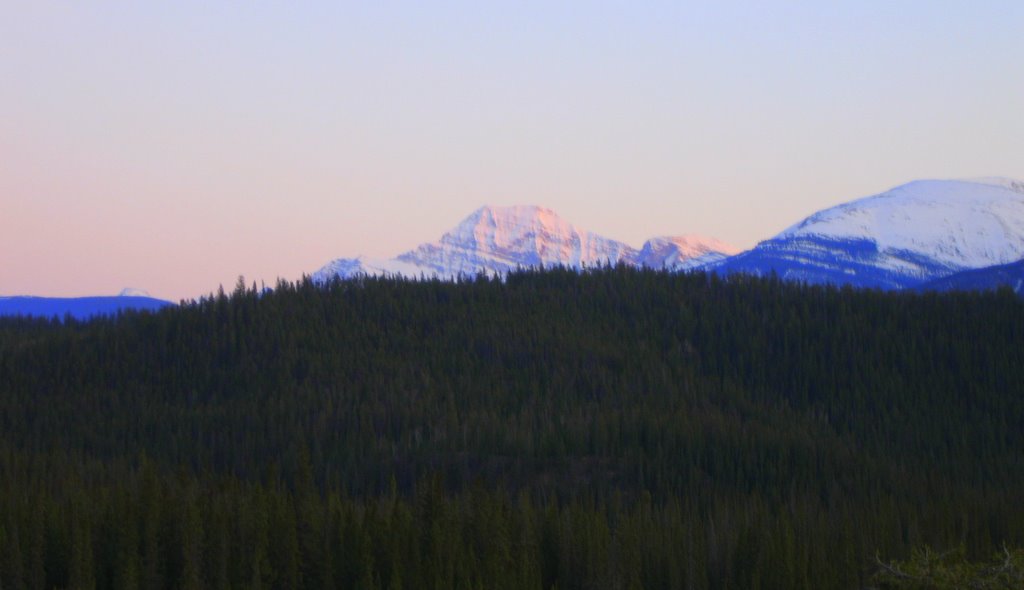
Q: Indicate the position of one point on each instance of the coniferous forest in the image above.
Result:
(615, 428)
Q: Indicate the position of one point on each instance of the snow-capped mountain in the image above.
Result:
(682, 252)
(903, 237)
(500, 239)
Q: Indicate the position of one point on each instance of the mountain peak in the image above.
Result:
(690, 244)
(682, 252)
(498, 239)
(511, 223)
(133, 292)
(515, 212)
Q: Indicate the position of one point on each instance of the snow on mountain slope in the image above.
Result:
(957, 223)
(903, 237)
(1013, 185)
(500, 239)
(682, 252)
(350, 267)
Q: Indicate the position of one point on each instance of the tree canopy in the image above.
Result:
(612, 428)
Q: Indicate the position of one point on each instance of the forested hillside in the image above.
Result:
(615, 428)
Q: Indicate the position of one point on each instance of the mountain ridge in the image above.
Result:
(80, 308)
(906, 236)
(496, 240)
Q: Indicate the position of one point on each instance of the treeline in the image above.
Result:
(614, 428)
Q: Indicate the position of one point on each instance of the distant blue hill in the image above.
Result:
(79, 307)
(982, 279)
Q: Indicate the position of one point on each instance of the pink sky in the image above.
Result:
(175, 148)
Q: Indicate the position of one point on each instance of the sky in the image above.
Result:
(173, 146)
